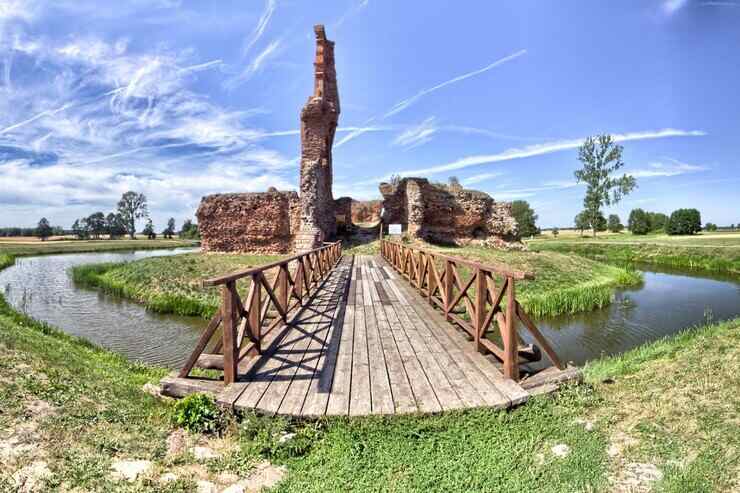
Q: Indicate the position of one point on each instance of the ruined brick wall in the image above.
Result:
(343, 211)
(439, 214)
(366, 211)
(318, 126)
(249, 222)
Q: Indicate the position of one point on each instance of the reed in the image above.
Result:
(6, 261)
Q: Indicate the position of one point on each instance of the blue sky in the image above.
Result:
(179, 99)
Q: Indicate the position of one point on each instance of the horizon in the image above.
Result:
(177, 101)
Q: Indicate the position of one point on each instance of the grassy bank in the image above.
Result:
(664, 415)
(23, 248)
(169, 284)
(714, 253)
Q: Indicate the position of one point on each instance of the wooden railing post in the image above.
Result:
(255, 317)
(481, 297)
(228, 307)
(282, 289)
(511, 351)
(448, 289)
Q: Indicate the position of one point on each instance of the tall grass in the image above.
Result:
(583, 297)
(6, 260)
(94, 276)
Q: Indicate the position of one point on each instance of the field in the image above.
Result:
(716, 252)
(70, 410)
(30, 246)
(170, 284)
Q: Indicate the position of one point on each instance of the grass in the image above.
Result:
(715, 252)
(671, 406)
(169, 284)
(23, 248)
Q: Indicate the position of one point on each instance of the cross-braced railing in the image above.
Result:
(275, 290)
(466, 292)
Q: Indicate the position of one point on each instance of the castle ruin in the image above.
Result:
(445, 214)
(282, 221)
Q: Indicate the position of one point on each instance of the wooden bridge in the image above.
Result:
(410, 331)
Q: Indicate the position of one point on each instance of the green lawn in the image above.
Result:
(717, 252)
(170, 284)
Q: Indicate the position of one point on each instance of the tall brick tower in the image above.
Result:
(319, 119)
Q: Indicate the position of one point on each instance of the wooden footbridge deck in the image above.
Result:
(355, 336)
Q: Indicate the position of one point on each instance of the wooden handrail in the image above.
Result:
(492, 267)
(474, 305)
(246, 322)
(235, 276)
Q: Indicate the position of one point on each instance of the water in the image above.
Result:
(669, 300)
(665, 303)
(42, 288)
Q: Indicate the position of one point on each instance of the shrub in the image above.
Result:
(525, 218)
(684, 222)
(710, 227)
(199, 413)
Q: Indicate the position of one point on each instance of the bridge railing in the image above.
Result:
(468, 294)
(274, 291)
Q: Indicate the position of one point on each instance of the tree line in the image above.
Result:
(131, 208)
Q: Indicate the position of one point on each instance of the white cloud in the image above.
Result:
(255, 66)
(544, 148)
(402, 105)
(259, 29)
(482, 177)
(660, 169)
(418, 134)
(672, 6)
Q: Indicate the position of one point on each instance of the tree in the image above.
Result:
(169, 231)
(599, 223)
(43, 230)
(601, 157)
(657, 221)
(710, 227)
(79, 229)
(581, 221)
(555, 232)
(95, 224)
(684, 222)
(189, 230)
(614, 223)
(114, 226)
(525, 218)
(638, 223)
(131, 207)
(149, 230)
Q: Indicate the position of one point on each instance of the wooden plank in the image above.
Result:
(360, 397)
(426, 399)
(512, 390)
(382, 295)
(340, 390)
(380, 386)
(437, 377)
(403, 396)
(393, 284)
(317, 399)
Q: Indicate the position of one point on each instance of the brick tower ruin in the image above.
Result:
(318, 125)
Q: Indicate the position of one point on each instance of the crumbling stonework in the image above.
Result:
(438, 213)
(263, 222)
(366, 211)
(281, 222)
(343, 212)
(318, 125)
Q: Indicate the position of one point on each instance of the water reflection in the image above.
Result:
(42, 288)
(668, 301)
